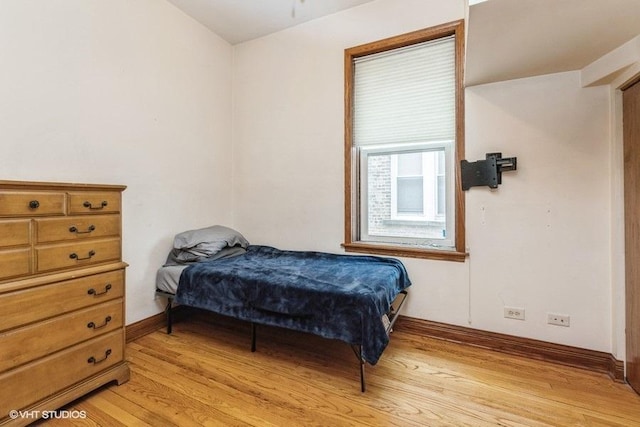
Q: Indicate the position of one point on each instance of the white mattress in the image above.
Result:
(168, 277)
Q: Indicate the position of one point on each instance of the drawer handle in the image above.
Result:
(95, 361)
(34, 204)
(90, 206)
(95, 293)
(75, 256)
(74, 229)
(92, 325)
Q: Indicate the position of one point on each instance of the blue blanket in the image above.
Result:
(335, 296)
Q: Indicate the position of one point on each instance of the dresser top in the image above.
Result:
(35, 185)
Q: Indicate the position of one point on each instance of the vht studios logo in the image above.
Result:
(34, 415)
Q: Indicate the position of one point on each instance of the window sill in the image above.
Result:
(405, 251)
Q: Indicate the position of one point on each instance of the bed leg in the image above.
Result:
(253, 337)
(362, 384)
(169, 316)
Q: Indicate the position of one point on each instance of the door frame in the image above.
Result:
(619, 119)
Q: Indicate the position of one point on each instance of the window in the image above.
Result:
(403, 145)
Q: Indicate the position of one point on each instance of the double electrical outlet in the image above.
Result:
(514, 313)
(552, 318)
(558, 319)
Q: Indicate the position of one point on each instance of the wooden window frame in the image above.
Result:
(351, 211)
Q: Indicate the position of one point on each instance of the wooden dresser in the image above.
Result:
(61, 295)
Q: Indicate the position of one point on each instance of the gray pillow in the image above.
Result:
(203, 243)
(214, 236)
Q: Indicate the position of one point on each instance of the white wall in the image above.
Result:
(120, 92)
(136, 93)
(540, 242)
(288, 120)
(615, 70)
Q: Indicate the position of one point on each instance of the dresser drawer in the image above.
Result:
(76, 227)
(15, 233)
(23, 345)
(42, 302)
(31, 203)
(76, 254)
(94, 202)
(15, 263)
(35, 381)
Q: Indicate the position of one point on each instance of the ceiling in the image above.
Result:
(237, 21)
(507, 39)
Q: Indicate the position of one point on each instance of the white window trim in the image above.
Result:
(446, 242)
(430, 205)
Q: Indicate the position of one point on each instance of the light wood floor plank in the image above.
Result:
(518, 375)
(204, 374)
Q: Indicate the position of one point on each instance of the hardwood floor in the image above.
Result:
(204, 374)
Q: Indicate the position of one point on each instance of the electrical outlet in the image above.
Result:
(558, 319)
(514, 313)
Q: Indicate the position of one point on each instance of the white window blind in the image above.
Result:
(406, 95)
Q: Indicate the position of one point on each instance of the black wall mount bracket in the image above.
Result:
(486, 172)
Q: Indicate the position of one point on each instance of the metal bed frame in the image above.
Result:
(392, 315)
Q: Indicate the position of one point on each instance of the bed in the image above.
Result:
(355, 299)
